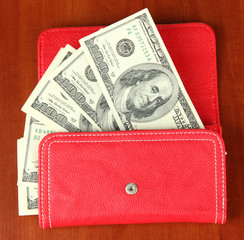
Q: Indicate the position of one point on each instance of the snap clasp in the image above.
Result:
(131, 188)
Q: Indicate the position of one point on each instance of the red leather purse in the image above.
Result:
(139, 176)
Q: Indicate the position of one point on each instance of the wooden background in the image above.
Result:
(22, 21)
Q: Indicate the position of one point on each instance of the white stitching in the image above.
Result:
(223, 186)
(136, 140)
(216, 183)
(42, 212)
(132, 134)
(48, 186)
(129, 134)
(151, 140)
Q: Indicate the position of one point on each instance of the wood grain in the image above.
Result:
(22, 21)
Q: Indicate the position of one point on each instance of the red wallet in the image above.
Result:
(139, 176)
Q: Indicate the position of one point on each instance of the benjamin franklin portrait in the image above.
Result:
(141, 94)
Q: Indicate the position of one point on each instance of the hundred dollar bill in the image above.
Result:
(78, 85)
(49, 105)
(27, 149)
(27, 195)
(137, 76)
(28, 200)
(32, 197)
(34, 132)
(20, 158)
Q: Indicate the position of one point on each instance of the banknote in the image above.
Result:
(137, 77)
(32, 198)
(49, 105)
(27, 195)
(35, 130)
(34, 133)
(28, 200)
(20, 158)
(78, 84)
(27, 150)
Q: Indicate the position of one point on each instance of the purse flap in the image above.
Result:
(131, 177)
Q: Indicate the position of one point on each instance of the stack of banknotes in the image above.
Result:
(121, 78)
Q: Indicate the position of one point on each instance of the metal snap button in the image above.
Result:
(131, 188)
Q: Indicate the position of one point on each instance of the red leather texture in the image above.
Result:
(180, 176)
(191, 47)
